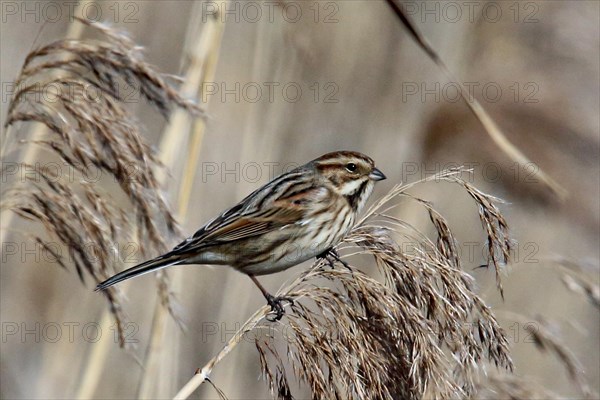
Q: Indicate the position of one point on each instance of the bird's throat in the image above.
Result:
(357, 198)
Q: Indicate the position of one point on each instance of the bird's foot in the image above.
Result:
(327, 258)
(277, 309)
(330, 256)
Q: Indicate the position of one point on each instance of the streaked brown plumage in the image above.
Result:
(298, 215)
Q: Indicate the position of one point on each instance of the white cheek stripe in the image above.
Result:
(365, 196)
(351, 187)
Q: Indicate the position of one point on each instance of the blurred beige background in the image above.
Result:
(344, 75)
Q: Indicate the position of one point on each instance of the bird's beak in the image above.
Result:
(377, 175)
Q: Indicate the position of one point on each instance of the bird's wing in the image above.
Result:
(257, 223)
(272, 207)
(240, 227)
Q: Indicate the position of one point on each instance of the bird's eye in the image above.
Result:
(351, 167)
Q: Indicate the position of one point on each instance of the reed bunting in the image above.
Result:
(299, 215)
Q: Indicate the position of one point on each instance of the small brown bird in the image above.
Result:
(299, 215)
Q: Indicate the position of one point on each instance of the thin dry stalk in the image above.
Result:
(584, 287)
(203, 62)
(482, 116)
(204, 373)
(509, 386)
(579, 278)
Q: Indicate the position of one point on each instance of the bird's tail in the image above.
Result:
(155, 264)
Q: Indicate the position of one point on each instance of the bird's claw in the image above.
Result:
(325, 257)
(277, 307)
(330, 256)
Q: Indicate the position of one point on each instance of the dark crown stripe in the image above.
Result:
(339, 155)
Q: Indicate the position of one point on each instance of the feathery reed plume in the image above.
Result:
(421, 332)
(91, 128)
(365, 339)
(496, 228)
(90, 228)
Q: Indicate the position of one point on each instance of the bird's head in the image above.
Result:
(351, 174)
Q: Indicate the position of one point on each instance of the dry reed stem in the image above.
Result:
(202, 54)
(203, 63)
(204, 373)
(482, 116)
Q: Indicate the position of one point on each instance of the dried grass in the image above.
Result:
(89, 227)
(422, 332)
(90, 127)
